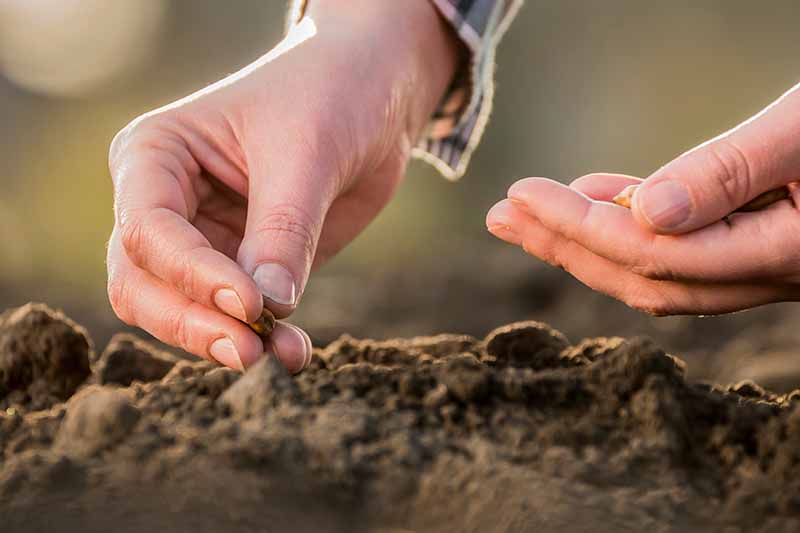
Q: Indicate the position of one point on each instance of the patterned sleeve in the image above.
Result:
(457, 125)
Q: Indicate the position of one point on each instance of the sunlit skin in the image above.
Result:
(282, 163)
(685, 260)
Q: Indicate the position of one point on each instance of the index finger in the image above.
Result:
(749, 246)
(154, 200)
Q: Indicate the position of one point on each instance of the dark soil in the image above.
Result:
(520, 431)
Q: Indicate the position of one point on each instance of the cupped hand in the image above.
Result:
(226, 199)
(678, 250)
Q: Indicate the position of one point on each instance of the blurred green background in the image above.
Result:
(611, 85)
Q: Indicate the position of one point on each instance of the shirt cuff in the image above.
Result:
(457, 125)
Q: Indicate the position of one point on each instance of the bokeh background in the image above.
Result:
(583, 85)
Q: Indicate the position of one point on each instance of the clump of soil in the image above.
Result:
(44, 357)
(520, 431)
(128, 359)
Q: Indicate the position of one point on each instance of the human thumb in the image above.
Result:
(718, 177)
(287, 206)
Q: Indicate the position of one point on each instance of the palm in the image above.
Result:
(220, 214)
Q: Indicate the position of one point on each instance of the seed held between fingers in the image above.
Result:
(264, 325)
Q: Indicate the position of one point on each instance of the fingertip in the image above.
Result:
(240, 299)
(500, 214)
(252, 300)
(664, 207)
(276, 289)
(228, 301)
(250, 347)
(639, 217)
(224, 351)
(501, 221)
(292, 346)
(537, 192)
(309, 347)
(522, 189)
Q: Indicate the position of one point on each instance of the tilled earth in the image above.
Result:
(519, 431)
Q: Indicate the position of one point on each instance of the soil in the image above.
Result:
(480, 286)
(515, 432)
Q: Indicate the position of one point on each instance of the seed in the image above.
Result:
(758, 203)
(264, 325)
(625, 196)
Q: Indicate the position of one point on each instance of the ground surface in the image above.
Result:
(519, 431)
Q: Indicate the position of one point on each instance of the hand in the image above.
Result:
(225, 200)
(676, 251)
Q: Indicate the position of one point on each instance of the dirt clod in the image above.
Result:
(518, 432)
(266, 383)
(97, 417)
(44, 357)
(128, 359)
(526, 344)
(465, 377)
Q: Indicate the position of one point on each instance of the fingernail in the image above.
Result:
(224, 352)
(499, 221)
(276, 283)
(666, 205)
(499, 215)
(229, 302)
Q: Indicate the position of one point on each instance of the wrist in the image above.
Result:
(408, 42)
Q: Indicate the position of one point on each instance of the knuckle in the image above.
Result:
(649, 302)
(542, 251)
(555, 259)
(118, 296)
(139, 233)
(185, 280)
(133, 236)
(653, 271)
(116, 148)
(123, 139)
(156, 133)
(731, 168)
(292, 223)
(177, 329)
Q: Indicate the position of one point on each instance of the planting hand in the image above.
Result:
(676, 251)
(226, 199)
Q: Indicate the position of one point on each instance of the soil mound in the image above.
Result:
(520, 431)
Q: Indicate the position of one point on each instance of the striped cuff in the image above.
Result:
(457, 126)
